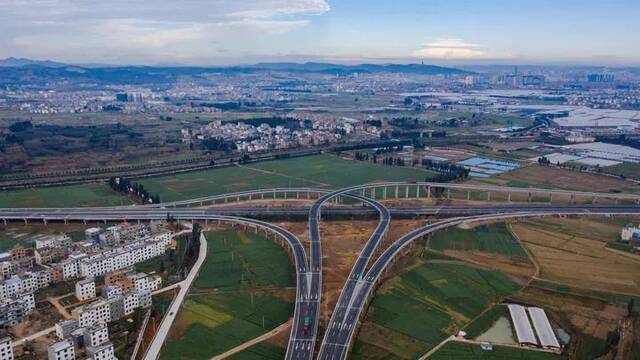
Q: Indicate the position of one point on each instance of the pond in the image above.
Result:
(499, 333)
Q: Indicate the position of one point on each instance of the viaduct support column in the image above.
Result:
(428, 192)
(509, 197)
(384, 193)
(417, 191)
(396, 191)
(448, 193)
(489, 196)
(406, 191)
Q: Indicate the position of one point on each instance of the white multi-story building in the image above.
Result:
(96, 335)
(62, 350)
(101, 352)
(125, 256)
(111, 292)
(131, 299)
(70, 268)
(86, 289)
(65, 327)
(6, 349)
(144, 298)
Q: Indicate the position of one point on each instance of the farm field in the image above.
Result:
(63, 196)
(423, 305)
(463, 351)
(261, 351)
(244, 289)
(556, 178)
(629, 170)
(244, 260)
(310, 171)
(492, 238)
(560, 249)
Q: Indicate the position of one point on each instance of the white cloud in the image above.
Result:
(450, 49)
(120, 31)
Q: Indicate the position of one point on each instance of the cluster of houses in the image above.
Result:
(123, 292)
(631, 234)
(56, 258)
(110, 253)
(248, 138)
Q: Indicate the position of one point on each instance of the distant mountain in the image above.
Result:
(19, 62)
(361, 68)
(41, 73)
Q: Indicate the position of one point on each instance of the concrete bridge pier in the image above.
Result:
(509, 197)
(384, 193)
(262, 196)
(285, 195)
(468, 195)
(573, 199)
(489, 196)
(428, 192)
(4, 221)
(297, 195)
(550, 198)
(529, 199)
(448, 193)
(25, 221)
(397, 191)
(84, 221)
(44, 221)
(417, 191)
(406, 192)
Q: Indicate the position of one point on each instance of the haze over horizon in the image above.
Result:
(226, 32)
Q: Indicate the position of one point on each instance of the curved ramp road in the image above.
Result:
(338, 322)
(307, 331)
(339, 345)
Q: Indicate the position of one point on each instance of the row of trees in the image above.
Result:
(126, 186)
(446, 171)
(445, 168)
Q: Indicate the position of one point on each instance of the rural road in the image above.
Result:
(158, 341)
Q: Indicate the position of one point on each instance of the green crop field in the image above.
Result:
(63, 196)
(219, 322)
(242, 259)
(240, 293)
(493, 238)
(433, 300)
(629, 170)
(461, 351)
(261, 351)
(310, 171)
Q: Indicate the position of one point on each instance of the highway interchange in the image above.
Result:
(360, 283)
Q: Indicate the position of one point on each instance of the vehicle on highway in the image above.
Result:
(305, 327)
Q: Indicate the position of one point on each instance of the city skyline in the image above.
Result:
(226, 32)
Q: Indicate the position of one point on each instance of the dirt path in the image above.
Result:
(254, 341)
(61, 310)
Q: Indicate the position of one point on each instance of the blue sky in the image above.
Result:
(230, 31)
